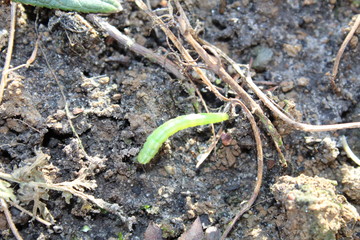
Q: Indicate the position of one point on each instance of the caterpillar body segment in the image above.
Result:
(161, 134)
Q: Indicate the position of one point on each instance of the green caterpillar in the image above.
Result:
(86, 6)
(162, 133)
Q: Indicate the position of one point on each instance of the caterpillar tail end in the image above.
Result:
(142, 158)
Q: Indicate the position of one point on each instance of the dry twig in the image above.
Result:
(260, 162)
(9, 51)
(30, 60)
(67, 111)
(203, 156)
(348, 150)
(184, 53)
(39, 219)
(9, 219)
(275, 110)
(215, 65)
(135, 47)
(340, 53)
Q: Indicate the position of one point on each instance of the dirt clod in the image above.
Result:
(313, 209)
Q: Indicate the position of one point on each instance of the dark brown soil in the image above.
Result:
(116, 98)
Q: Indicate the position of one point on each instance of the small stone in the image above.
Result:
(226, 139)
(59, 115)
(303, 81)
(61, 72)
(58, 229)
(231, 159)
(170, 169)
(263, 57)
(15, 125)
(154, 3)
(104, 80)
(309, 19)
(212, 233)
(354, 42)
(287, 86)
(245, 3)
(3, 37)
(208, 5)
(351, 182)
(116, 97)
(292, 50)
(77, 111)
(4, 130)
(309, 2)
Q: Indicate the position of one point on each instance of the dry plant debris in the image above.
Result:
(354, 28)
(213, 59)
(36, 178)
(185, 40)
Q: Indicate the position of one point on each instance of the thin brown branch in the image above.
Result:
(340, 53)
(67, 111)
(186, 55)
(202, 157)
(30, 60)
(348, 150)
(135, 47)
(9, 219)
(214, 64)
(297, 125)
(4, 74)
(260, 163)
(39, 219)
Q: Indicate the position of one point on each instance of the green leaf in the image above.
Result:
(87, 6)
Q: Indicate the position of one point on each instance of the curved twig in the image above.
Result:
(39, 219)
(348, 150)
(9, 219)
(213, 63)
(9, 51)
(186, 55)
(260, 168)
(340, 53)
(297, 125)
(135, 47)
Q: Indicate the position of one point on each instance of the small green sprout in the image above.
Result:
(120, 236)
(146, 207)
(85, 228)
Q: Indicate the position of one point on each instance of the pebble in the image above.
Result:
(3, 37)
(263, 57)
(170, 169)
(292, 50)
(309, 2)
(303, 81)
(287, 86)
(354, 42)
